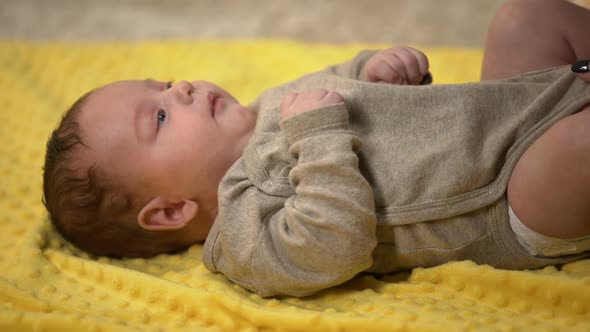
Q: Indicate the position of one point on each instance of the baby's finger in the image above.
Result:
(411, 65)
(288, 100)
(333, 97)
(422, 59)
(390, 69)
(315, 94)
(381, 72)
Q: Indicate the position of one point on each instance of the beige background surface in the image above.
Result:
(420, 22)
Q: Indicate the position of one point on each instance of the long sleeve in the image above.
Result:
(318, 237)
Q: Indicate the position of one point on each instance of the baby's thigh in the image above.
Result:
(549, 190)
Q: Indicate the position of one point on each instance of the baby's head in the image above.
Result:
(133, 168)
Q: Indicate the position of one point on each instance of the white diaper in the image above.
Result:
(541, 245)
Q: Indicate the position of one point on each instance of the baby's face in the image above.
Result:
(176, 141)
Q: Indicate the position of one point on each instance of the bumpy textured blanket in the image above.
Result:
(47, 285)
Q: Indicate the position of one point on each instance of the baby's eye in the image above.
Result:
(161, 117)
(169, 84)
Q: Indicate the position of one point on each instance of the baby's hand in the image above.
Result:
(398, 65)
(296, 103)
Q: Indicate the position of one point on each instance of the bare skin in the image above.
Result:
(527, 35)
(549, 189)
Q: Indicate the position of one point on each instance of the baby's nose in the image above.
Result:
(183, 91)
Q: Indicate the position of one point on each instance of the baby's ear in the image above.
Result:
(161, 214)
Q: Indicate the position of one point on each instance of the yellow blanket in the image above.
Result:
(46, 285)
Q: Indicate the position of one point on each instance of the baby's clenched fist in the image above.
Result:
(296, 103)
(398, 65)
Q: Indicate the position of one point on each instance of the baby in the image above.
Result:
(355, 168)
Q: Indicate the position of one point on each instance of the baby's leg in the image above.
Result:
(527, 35)
(549, 189)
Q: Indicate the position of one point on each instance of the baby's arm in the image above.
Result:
(331, 214)
(318, 237)
(398, 65)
